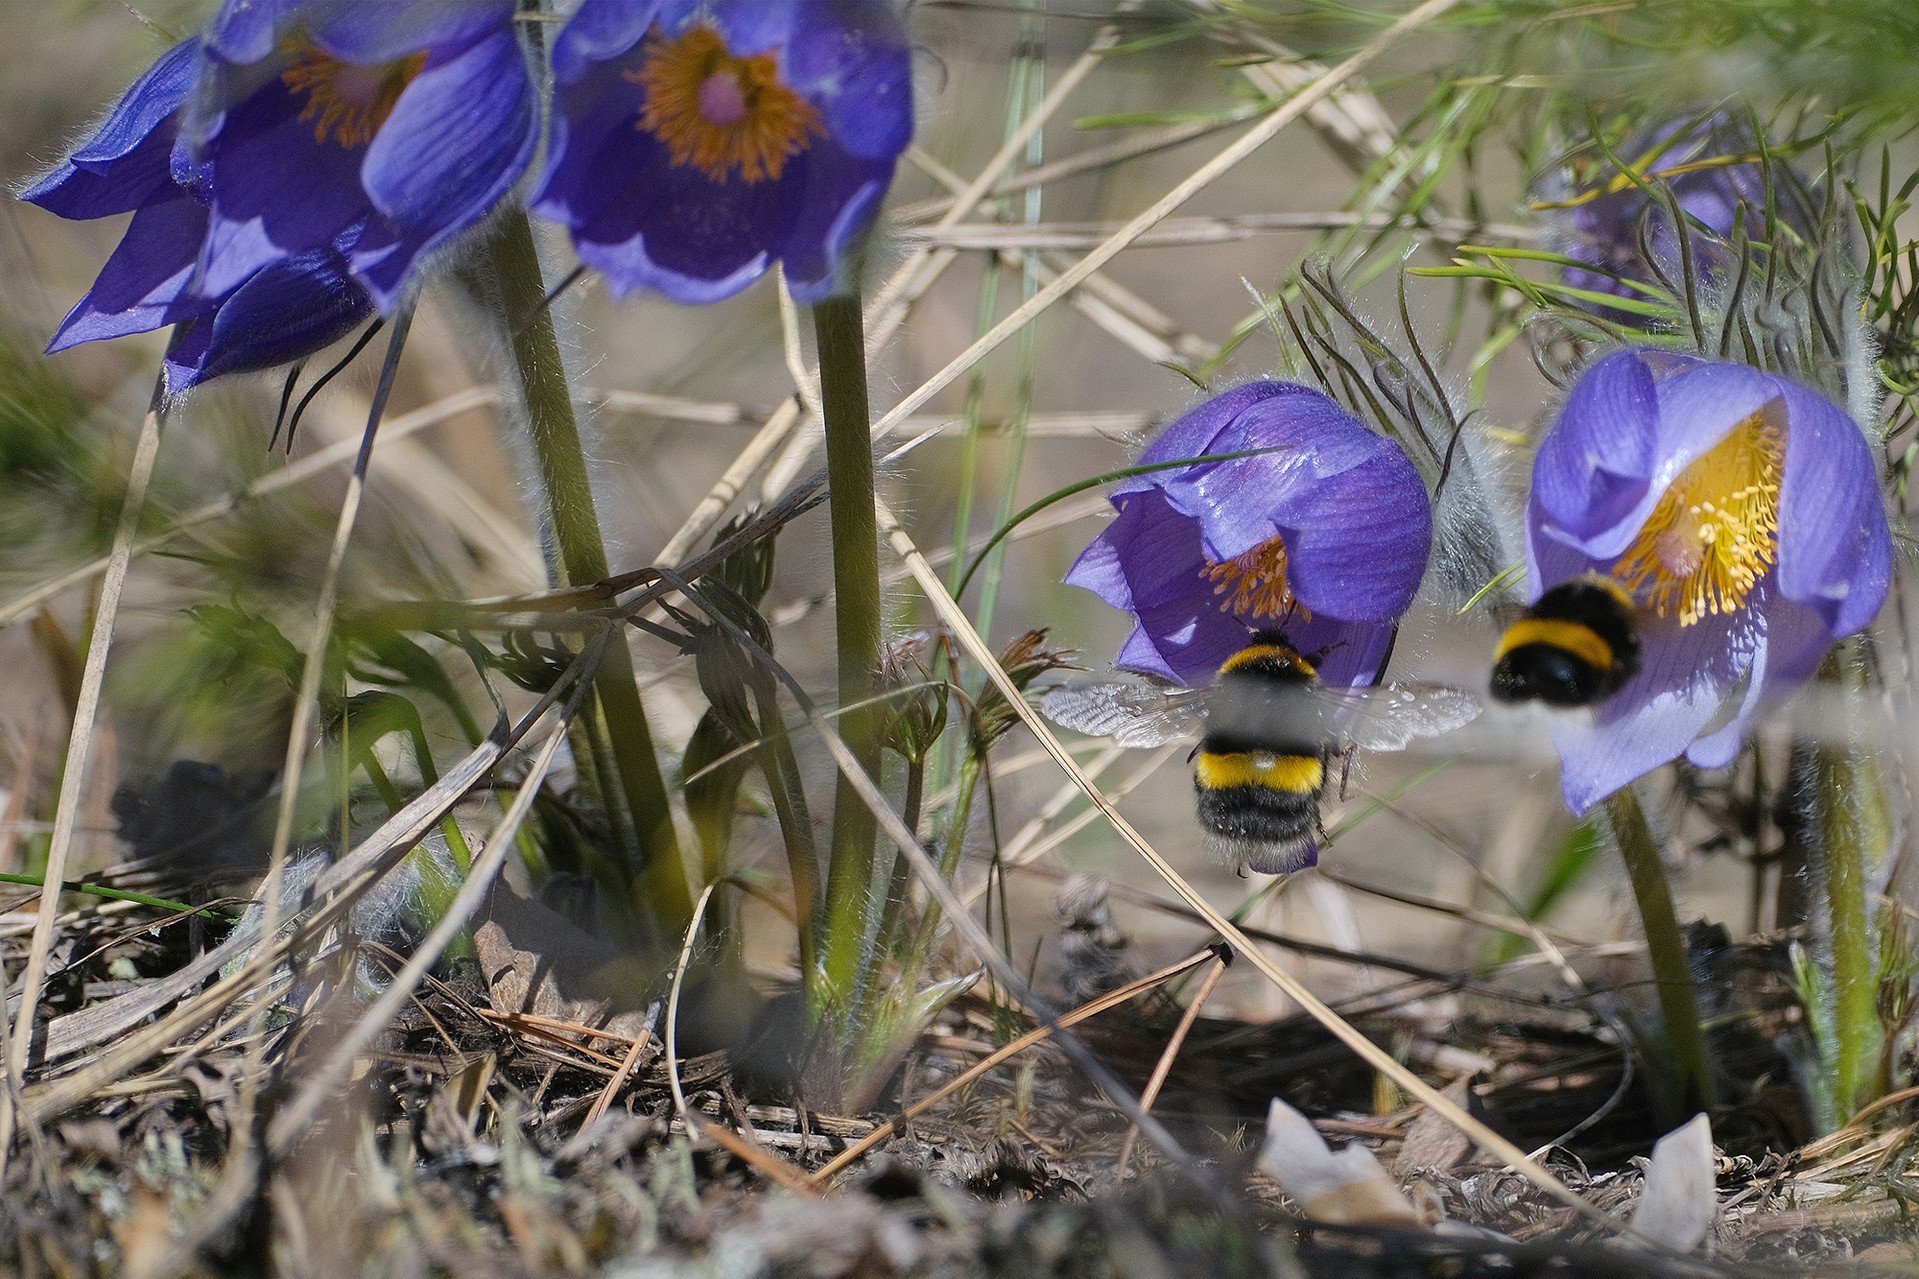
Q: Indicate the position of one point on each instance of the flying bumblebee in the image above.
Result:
(1268, 730)
(1574, 647)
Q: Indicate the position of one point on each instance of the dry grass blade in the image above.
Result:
(98, 1023)
(967, 198)
(335, 891)
(1124, 314)
(617, 1080)
(1214, 168)
(79, 745)
(1111, 999)
(976, 648)
(1181, 232)
(673, 1006)
(1029, 844)
(769, 1164)
(884, 313)
(318, 1086)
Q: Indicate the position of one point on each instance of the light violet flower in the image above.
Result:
(1325, 538)
(1741, 512)
(695, 143)
(1624, 233)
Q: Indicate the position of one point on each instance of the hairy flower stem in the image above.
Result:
(852, 904)
(782, 773)
(1854, 830)
(654, 868)
(900, 882)
(922, 948)
(1666, 948)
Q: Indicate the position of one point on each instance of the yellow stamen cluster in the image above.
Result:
(1715, 532)
(346, 101)
(718, 112)
(1254, 584)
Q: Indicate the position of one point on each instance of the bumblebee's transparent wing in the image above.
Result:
(1130, 714)
(1391, 717)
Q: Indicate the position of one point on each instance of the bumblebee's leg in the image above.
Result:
(1346, 754)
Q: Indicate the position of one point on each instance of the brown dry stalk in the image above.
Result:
(769, 1164)
(1111, 999)
(618, 1079)
(1173, 1045)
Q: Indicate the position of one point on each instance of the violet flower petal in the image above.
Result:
(285, 313)
(127, 158)
(643, 221)
(139, 288)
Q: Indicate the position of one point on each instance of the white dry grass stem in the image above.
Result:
(66, 812)
(1202, 177)
(688, 1115)
(319, 1082)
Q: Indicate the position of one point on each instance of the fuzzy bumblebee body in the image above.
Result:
(1575, 646)
(1268, 729)
(1261, 766)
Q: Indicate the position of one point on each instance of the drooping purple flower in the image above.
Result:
(1741, 512)
(1623, 232)
(379, 131)
(1326, 538)
(695, 142)
(290, 171)
(281, 312)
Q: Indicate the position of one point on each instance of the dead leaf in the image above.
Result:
(1432, 1140)
(1346, 1187)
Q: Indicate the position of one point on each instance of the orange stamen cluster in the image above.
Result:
(1715, 532)
(718, 112)
(1254, 584)
(346, 101)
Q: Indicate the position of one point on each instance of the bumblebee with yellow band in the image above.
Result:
(1574, 647)
(1260, 768)
(1270, 727)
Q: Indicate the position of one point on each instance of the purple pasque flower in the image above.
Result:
(1741, 511)
(696, 141)
(1711, 166)
(282, 312)
(380, 131)
(1325, 538)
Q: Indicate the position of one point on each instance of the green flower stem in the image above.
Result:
(900, 882)
(654, 865)
(1854, 990)
(1666, 948)
(852, 905)
(119, 895)
(1854, 829)
(782, 773)
(922, 947)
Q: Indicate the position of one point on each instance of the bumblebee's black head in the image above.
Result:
(1574, 647)
(1271, 655)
